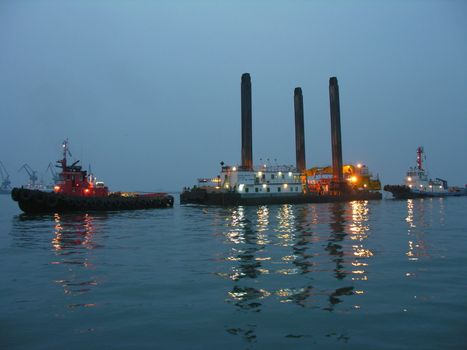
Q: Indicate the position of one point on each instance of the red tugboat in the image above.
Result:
(78, 191)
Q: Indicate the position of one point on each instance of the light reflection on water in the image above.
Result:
(417, 221)
(292, 240)
(291, 275)
(73, 240)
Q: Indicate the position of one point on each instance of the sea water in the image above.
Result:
(389, 274)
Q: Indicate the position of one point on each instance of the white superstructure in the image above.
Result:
(419, 182)
(261, 181)
(417, 179)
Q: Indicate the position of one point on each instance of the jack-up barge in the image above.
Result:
(249, 185)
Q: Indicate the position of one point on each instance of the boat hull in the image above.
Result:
(201, 196)
(35, 201)
(404, 192)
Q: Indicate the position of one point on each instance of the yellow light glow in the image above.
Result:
(365, 185)
(56, 188)
(409, 179)
(359, 165)
(279, 173)
(260, 173)
(285, 185)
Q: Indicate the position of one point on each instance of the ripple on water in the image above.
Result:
(266, 276)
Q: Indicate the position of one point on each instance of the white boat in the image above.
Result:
(418, 184)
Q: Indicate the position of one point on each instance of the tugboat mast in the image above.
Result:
(420, 156)
(65, 151)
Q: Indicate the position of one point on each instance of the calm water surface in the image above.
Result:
(362, 275)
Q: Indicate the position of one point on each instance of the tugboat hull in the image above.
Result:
(34, 201)
(201, 196)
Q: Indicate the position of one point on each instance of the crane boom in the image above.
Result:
(50, 168)
(32, 173)
(5, 185)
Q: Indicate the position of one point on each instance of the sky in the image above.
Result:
(148, 92)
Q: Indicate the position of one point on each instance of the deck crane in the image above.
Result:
(5, 185)
(32, 174)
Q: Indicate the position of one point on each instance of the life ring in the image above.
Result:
(25, 195)
(73, 203)
(51, 201)
(126, 204)
(100, 205)
(108, 204)
(15, 194)
(94, 204)
(40, 197)
(117, 204)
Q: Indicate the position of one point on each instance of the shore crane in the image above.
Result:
(55, 175)
(5, 185)
(32, 174)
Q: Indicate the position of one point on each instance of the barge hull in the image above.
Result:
(231, 198)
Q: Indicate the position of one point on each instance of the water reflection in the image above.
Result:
(304, 239)
(72, 239)
(416, 222)
(307, 246)
(334, 247)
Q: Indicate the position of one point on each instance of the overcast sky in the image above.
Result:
(148, 92)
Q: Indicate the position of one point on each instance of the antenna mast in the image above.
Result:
(420, 157)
